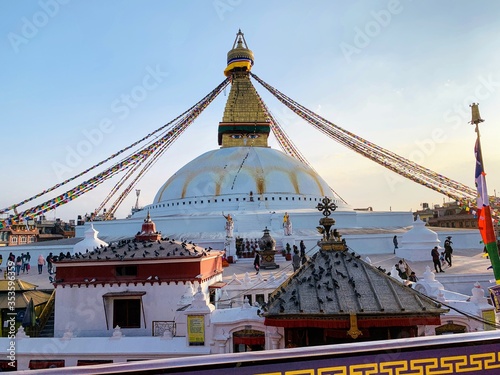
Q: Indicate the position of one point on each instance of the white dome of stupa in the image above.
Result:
(228, 177)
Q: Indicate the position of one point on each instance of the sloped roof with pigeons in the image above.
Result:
(334, 284)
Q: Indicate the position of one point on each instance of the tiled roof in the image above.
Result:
(130, 249)
(338, 283)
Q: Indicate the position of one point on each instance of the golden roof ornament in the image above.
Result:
(476, 117)
(332, 240)
(240, 57)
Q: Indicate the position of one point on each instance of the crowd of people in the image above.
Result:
(22, 263)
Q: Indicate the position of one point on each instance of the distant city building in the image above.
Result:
(31, 231)
(449, 215)
(19, 234)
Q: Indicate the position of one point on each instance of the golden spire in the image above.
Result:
(245, 121)
(240, 56)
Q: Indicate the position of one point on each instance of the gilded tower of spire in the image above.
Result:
(245, 122)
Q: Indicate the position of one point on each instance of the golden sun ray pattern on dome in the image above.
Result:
(245, 121)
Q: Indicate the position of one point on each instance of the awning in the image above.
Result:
(217, 285)
(123, 294)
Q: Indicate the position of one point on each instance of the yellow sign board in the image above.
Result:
(196, 329)
(489, 316)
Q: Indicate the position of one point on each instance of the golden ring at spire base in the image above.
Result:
(239, 56)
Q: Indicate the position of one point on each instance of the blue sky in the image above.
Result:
(394, 72)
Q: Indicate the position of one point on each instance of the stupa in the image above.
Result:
(246, 178)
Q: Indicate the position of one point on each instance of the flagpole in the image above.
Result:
(485, 222)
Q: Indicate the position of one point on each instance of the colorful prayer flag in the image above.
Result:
(484, 220)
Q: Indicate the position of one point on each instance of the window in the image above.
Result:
(36, 364)
(127, 313)
(14, 239)
(126, 271)
(88, 362)
(23, 239)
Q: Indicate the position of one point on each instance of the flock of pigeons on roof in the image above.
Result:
(130, 248)
(337, 282)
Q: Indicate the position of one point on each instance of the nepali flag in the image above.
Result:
(484, 220)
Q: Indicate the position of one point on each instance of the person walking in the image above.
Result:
(19, 263)
(435, 259)
(296, 260)
(302, 249)
(448, 250)
(49, 263)
(395, 242)
(23, 262)
(41, 263)
(27, 260)
(256, 263)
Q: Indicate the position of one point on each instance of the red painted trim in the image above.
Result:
(344, 323)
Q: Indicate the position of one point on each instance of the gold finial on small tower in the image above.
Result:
(476, 117)
(332, 239)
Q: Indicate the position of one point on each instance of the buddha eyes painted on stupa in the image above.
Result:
(241, 136)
